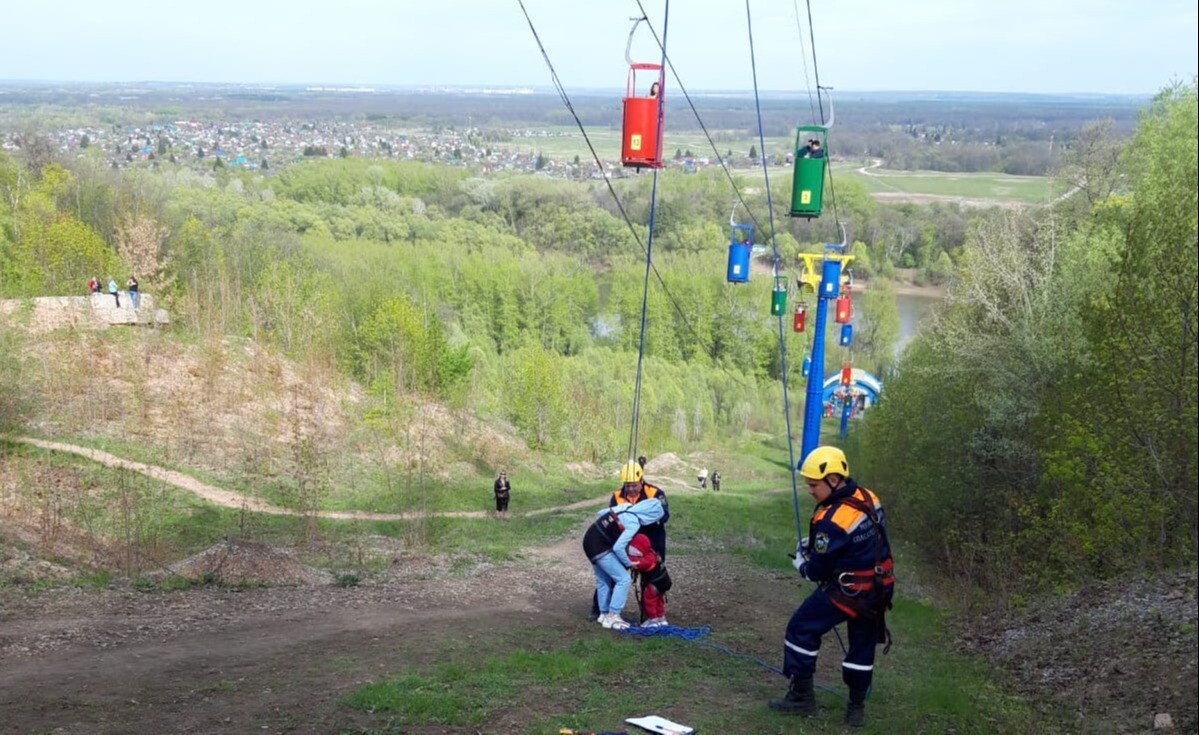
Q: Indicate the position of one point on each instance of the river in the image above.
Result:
(914, 309)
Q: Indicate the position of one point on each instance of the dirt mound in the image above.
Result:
(1116, 654)
(235, 562)
(667, 463)
(20, 566)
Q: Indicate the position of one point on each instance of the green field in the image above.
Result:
(564, 143)
(982, 185)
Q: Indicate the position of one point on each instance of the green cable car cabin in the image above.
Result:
(807, 186)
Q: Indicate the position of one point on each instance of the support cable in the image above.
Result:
(777, 258)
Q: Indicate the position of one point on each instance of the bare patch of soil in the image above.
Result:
(1115, 654)
(238, 563)
(279, 659)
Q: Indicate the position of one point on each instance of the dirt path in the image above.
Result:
(281, 660)
(230, 499)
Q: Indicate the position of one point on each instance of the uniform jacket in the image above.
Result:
(841, 538)
(655, 532)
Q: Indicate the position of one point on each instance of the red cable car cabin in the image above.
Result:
(639, 144)
(844, 309)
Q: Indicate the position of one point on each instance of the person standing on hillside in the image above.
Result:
(131, 287)
(112, 289)
(93, 286)
(633, 489)
(715, 481)
(702, 478)
(846, 553)
(503, 491)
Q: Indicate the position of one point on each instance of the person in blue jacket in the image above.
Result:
(606, 544)
(633, 489)
(847, 554)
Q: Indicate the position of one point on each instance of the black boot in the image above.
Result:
(799, 700)
(855, 711)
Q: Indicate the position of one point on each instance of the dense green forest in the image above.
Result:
(1043, 431)
(511, 296)
(1056, 387)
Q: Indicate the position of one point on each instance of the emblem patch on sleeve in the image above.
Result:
(821, 543)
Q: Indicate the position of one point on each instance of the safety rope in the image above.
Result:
(561, 90)
(777, 259)
(699, 119)
(635, 424)
(695, 636)
(707, 346)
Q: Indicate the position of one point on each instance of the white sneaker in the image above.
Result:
(613, 621)
(654, 623)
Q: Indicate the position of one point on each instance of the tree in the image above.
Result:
(678, 154)
(753, 152)
(84, 141)
(1092, 163)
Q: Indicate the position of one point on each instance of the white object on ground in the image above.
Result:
(653, 723)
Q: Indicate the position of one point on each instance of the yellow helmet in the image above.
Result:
(630, 472)
(824, 461)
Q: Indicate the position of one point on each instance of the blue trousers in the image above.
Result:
(611, 583)
(817, 616)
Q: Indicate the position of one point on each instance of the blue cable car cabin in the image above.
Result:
(741, 242)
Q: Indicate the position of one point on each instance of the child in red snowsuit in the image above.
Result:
(655, 581)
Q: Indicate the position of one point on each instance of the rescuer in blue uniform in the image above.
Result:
(847, 554)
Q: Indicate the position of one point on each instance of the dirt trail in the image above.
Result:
(230, 499)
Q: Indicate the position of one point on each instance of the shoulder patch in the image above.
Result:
(821, 543)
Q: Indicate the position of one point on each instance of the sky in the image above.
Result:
(1039, 46)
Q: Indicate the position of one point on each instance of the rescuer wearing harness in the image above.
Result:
(847, 554)
(606, 544)
(633, 489)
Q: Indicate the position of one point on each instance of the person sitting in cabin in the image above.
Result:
(847, 554)
(653, 91)
(606, 545)
(634, 489)
(651, 574)
(812, 149)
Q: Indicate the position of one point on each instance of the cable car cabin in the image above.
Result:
(846, 335)
(801, 317)
(807, 185)
(778, 297)
(639, 144)
(844, 309)
(741, 242)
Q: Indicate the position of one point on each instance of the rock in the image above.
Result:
(1163, 721)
